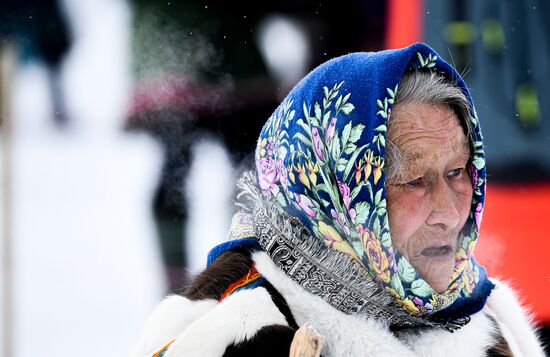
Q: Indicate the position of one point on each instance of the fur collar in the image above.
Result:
(349, 335)
(243, 316)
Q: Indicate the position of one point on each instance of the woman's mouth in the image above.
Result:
(437, 251)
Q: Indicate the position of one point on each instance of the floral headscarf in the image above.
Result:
(320, 158)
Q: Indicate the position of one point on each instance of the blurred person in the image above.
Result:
(360, 220)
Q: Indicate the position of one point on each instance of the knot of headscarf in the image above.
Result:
(320, 158)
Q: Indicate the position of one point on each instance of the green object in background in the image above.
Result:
(527, 105)
(459, 32)
(507, 72)
(492, 35)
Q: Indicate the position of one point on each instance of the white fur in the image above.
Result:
(514, 321)
(353, 336)
(168, 320)
(242, 314)
(345, 335)
(471, 340)
(237, 318)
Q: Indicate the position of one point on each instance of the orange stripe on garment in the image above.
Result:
(163, 349)
(248, 278)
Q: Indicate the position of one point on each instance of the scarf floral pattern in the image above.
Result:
(320, 160)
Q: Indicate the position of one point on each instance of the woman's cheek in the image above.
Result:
(463, 185)
(405, 211)
(464, 191)
(465, 200)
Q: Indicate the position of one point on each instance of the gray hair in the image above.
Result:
(426, 87)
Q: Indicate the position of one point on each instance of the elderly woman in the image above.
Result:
(361, 220)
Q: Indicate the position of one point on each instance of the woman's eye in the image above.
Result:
(414, 183)
(455, 172)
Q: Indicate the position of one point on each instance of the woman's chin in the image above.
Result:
(437, 272)
(441, 285)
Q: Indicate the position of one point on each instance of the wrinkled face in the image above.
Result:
(429, 201)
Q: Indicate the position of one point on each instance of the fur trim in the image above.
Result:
(348, 335)
(515, 321)
(236, 319)
(167, 320)
(472, 340)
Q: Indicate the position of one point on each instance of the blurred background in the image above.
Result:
(125, 123)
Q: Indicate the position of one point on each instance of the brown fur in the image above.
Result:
(501, 347)
(225, 270)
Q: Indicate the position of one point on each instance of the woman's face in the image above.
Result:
(429, 201)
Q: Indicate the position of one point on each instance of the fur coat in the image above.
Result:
(262, 321)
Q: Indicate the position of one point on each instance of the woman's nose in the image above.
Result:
(445, 210)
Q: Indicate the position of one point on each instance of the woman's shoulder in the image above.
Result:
(221, 313)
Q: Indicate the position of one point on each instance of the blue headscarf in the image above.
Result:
(320, 158)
